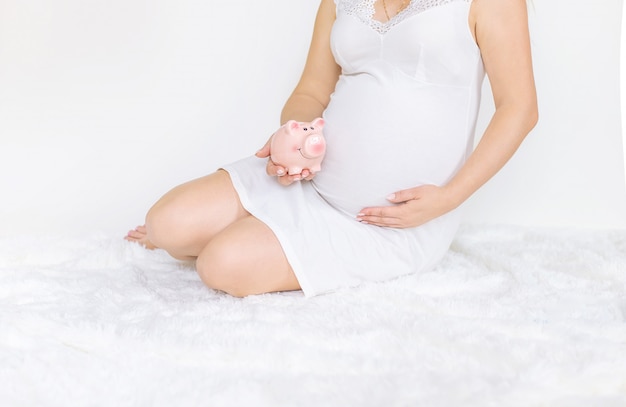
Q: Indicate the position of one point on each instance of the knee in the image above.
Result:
(161, 226)
(219, 269)
(154, 225)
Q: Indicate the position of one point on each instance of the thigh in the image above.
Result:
(246, 258)
(187, 217)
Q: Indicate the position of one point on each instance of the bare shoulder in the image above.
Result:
(499, 4)
(502, 34)
(483, 11)
(497, 23)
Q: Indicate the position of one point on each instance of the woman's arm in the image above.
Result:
(501, 32)
(317, 83)
(320, 75)
(502, 35)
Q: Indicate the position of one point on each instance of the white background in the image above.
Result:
(107, 104)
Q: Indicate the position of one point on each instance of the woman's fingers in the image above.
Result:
(274, 170)
(265, 150)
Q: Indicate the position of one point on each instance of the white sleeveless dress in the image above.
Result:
(403, 114)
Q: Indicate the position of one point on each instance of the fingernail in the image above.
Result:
(391, 197)
(280, 173)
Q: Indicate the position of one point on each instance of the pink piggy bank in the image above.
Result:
(298, 145)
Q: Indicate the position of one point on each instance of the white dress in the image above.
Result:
(403, 114)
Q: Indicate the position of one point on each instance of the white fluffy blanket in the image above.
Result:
(512, 317)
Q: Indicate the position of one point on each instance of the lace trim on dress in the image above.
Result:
(364, 11)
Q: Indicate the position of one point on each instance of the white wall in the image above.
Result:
(106, 104)
(623, 82)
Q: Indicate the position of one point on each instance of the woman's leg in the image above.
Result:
(186, 218)
(235, 252)
(244, 259)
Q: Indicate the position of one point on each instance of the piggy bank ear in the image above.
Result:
(292, 124)
(318, 123)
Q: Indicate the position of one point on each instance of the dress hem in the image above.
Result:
(290, 253)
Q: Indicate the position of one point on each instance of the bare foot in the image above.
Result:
(139, 235)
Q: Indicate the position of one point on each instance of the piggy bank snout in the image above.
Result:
(314, 146)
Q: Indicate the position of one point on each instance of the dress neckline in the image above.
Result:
(365, 11)
(397, 15)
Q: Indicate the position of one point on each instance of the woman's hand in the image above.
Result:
(414, 207)
(280, 172)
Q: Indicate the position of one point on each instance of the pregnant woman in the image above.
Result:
(398, 85)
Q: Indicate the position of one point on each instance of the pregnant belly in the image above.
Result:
(378, 144)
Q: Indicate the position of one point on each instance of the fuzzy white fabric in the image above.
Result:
(511, 317)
